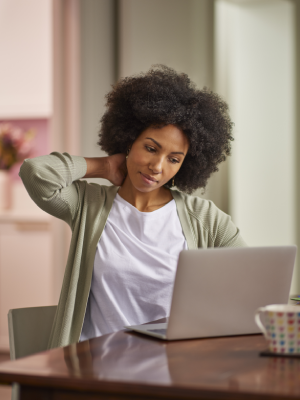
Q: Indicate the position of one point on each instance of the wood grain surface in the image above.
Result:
(128, 365)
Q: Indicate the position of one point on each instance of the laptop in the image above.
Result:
(217, 291)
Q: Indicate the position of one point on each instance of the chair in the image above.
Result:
(29, 330)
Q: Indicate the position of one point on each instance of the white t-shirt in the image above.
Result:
(134, 268)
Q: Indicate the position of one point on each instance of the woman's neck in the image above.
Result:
(145, 201)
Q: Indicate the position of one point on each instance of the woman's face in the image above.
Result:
(156, 156)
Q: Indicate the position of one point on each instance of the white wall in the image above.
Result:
(255, 60)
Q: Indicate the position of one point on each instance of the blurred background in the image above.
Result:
(60, 57)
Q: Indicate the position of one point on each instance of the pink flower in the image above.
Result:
(15, 145)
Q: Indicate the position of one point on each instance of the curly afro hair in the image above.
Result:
(161, 97)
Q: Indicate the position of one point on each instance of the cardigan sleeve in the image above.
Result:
(51, 183)
(228, 234)
(209, 226)
(223, 231)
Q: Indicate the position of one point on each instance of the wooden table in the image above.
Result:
(126, 365)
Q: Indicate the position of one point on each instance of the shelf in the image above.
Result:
(25, 217)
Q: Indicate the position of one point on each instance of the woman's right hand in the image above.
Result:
(112, 168)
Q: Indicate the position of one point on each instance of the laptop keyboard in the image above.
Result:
(159, 331)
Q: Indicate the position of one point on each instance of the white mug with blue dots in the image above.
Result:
(281, 327)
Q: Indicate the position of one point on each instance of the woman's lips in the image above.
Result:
(148, 179)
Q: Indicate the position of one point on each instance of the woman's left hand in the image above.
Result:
(112, 168)
(117, 169)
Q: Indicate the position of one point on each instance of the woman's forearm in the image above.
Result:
(49, 182)
(97, 167)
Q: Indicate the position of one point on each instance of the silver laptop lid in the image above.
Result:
(217, 291)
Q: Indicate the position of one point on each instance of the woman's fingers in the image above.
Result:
(118, 169)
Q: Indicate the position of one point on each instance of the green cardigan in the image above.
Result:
(53, 183)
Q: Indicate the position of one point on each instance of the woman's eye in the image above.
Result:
(150, 149)
(174, 160)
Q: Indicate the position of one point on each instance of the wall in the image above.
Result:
(255, 60)
(296, 286)
(172, 32)
(26, 65)
(98, 70)
(27, 276)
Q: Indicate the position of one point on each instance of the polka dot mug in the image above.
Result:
(281, 327)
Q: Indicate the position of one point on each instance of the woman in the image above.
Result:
(159, 132)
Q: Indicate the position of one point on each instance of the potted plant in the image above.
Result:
(15, 146)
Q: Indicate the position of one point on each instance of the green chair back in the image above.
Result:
(29, 330)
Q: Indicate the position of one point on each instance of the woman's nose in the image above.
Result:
(156, 165)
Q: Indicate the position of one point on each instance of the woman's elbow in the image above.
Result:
(32, 177)
(27, 171)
